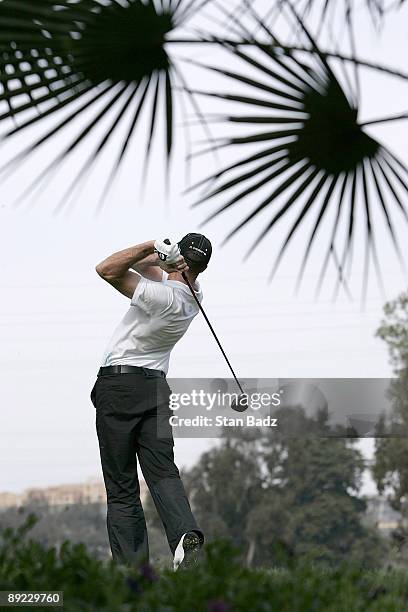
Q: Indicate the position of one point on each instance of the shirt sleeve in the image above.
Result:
(153, 297)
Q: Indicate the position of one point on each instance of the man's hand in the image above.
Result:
(166, 251)
(170, 259)
(179, 266)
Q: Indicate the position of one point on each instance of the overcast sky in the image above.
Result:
(57, 315)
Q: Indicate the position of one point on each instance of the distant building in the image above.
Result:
(90, 492)
(381, 515)
(8, 500)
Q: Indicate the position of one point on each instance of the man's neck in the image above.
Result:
(177, 276)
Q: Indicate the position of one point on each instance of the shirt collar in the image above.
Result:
(183, 286)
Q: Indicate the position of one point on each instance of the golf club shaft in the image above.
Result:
(212, 331)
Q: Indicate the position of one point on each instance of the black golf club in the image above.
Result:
(242, 404)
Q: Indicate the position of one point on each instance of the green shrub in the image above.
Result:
(218, 584)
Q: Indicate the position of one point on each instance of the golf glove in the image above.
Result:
(169, 253)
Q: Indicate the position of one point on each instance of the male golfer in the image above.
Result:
(131, 394)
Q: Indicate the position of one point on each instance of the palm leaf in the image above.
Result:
(53, 53)
(312, 148)
(328, 10)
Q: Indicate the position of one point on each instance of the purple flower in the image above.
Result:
(218, 605)
(148, 573)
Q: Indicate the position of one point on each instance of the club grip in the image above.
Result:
(167, 241)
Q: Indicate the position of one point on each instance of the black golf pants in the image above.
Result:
(132, 423)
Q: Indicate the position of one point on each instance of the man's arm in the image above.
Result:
(149, 267)
(115, 269)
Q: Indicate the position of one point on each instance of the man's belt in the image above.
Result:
(127, 369)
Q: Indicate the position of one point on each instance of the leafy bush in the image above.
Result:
(218, 584)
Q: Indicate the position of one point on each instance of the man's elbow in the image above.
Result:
(99, 269)
(103, 271)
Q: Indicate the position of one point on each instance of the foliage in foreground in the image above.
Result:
(218, 584)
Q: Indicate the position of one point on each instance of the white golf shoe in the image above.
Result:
(187, 551)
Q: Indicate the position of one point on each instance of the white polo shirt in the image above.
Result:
(159, 315)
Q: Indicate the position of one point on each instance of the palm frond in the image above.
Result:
(313, 147)
(53, 53)
(328, 10)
